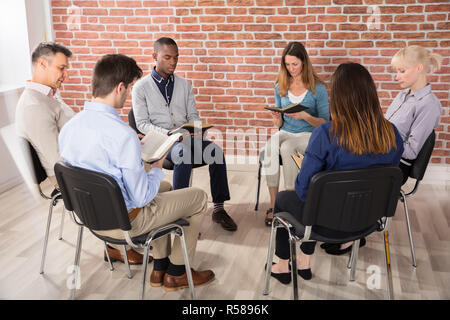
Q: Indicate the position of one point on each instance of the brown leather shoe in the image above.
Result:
(224, 220)
(173, 283)
(133, 256)
(157, 278)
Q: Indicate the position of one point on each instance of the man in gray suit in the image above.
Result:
(164, 101)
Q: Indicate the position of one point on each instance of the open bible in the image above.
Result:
(156, 144)
(292, 108)
(190, 127)
(298, 158)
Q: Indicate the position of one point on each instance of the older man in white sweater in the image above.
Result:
(41, 114)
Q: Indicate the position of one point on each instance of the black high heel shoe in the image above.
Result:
(284, 277)
(267, 220)
(306, 274)
(337, 251)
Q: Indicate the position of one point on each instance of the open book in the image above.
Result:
(292, 108)
(156, 144)
(298, 158)
(190, 127)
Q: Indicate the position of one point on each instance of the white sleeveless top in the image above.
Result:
(296, 99)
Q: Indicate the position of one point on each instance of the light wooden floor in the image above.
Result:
(236, 258)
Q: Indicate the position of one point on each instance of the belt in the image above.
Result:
(134, 213)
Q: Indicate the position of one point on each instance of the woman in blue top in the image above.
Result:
(357, 137)
(296, 83)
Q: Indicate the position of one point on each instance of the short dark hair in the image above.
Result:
(111, 70)
(163, 41)
(47, 49)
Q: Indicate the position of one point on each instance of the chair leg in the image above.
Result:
(63, 214)
(144, 269)
(47, 231)
(191, 177)
(77, 261)
(293, 250)
(408, 226)
(350, 260)
(355, 251)
(186, 263)
(258, 187)
(111, 267)
(387, 259)
(125, 258)
(270, 253)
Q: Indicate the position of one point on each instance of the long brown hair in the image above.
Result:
(358, 124)
(309, 76)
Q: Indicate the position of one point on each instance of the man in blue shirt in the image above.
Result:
(97, 139)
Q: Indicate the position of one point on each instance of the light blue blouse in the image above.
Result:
(316, 102)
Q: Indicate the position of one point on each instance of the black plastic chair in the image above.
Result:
(97, 200)
(418, 168)
(39, 175)
(167, 164)
(260, 161)
(344, 200)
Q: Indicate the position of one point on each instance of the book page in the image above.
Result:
(156, 144)
(298, 159)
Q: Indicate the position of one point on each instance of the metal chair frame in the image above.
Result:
(313, 205)
(176, 228)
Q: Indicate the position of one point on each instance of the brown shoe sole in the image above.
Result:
(156, 284)
(171, 289)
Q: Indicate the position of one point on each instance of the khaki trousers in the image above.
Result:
(166, 207)
(285, 144)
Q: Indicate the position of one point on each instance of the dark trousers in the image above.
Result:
(288, 201)
(195, 152)
(406, 170)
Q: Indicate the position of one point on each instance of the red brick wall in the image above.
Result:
(230, 49)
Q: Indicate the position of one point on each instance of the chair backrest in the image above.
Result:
(352, 200)
(39, 173)
(132, 121)
(421, 162)
(95, 197)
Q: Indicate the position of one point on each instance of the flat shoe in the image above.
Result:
(336, 251)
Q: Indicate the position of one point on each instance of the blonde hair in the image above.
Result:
(414, 55)
(309, 76)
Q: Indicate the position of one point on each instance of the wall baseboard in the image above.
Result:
(436, 173)
(11, 183)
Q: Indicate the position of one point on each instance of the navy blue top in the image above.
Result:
(322, 154)
(166, 87)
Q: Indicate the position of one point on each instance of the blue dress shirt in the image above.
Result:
(324, 154)
(166, 87)
(98, 139)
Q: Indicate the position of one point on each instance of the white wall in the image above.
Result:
(23, 25)
(15, 65)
